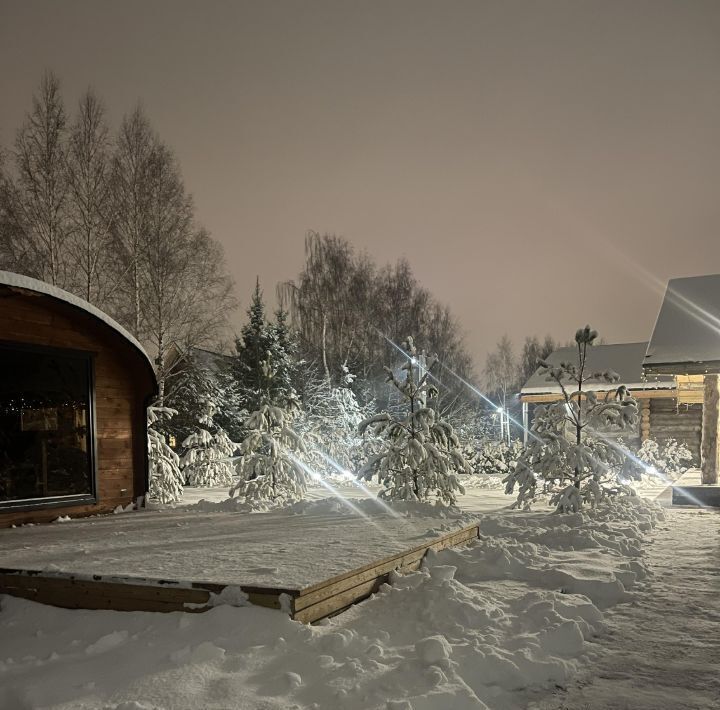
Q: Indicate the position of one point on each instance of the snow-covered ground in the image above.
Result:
(661, 650)
(544, 611)
(222, 542)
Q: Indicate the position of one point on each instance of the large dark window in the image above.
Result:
(46, 437)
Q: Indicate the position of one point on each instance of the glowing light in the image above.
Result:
(336, 493)
(359, 484)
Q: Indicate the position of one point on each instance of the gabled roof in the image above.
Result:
(18, 281)
(686, 338)
(623, 358)
(209, 360)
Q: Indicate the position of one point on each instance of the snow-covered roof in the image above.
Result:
(210, 360)
(8, 278)
(624, 358)
(686, 338)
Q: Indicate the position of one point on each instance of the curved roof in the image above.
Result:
(624, 358)
(8, 278)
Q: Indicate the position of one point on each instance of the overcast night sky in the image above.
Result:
(541, 164)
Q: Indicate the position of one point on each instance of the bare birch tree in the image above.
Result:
(185, 293)
(38, 198)
(501, 370)
(90, 209)
(131, 167)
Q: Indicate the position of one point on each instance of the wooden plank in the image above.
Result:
(313, 602)
(339, 597)
(123, 593)
(438, 541)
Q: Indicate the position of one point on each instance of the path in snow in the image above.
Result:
(662, 651)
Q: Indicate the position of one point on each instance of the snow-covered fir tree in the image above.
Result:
(166, 479)
(203, 376)
(420, 455)
(270, 464)
(258, 339)
(207, 460)
(574, 466)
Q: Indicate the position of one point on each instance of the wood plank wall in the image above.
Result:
(122, 382)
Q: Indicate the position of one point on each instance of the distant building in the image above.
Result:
(674, 376)
(665, 411)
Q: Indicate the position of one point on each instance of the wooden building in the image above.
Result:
(685, 345)
(669, 406)
(74, 386)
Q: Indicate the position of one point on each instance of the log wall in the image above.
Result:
(682, 422)
(122, 384)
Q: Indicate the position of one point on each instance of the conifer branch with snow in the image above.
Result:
(419, 455)
(207, 460)
(578, 469)
(269, 465)
(166, 479)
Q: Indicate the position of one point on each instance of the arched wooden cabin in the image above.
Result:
(74, 386)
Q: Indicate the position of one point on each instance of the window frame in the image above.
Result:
(73, 499)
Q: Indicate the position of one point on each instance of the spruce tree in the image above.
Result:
(258, 339)
(269, 465)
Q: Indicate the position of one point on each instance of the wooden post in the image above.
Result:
(645, 419)
(525, 422)
(710, 422)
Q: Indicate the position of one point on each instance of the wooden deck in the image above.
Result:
(308, 604)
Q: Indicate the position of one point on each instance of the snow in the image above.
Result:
(544, 611)
(626, 359)
(221, 542)
(661, 650)
(688, 324)
(8, 278)
(498, 624)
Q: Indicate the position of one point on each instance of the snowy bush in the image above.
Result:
(497, 457)
(673, 458)
(579, 467)
(419, 454)
(166, 479)
(207, 460)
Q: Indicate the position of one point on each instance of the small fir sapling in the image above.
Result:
(420, 455)
(269, 465)
(576, 468)
(166, 479)
(207, 460)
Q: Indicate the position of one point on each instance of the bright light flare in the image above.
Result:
(359, 484)
(335, 492)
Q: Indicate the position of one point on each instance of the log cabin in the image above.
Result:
(74, 387)
(667, 410)
(685, 345)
